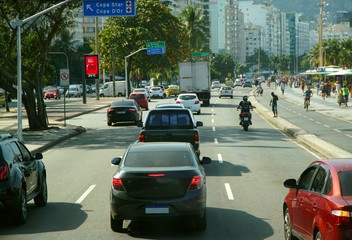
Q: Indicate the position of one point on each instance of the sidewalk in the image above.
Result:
(327, 106)
(40, 141)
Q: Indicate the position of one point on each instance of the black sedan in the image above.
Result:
(124, 110)
(158, 180)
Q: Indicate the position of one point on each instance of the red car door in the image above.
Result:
(301, 209)
(309, 203)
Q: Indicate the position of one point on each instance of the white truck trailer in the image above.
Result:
(195, 77)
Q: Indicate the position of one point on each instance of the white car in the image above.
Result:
(190, 101)
(226, 91)
(156, 92)
(145, 91)
(215, 84)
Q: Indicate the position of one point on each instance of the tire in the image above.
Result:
(109, 123)
(245, 127)
(198, 113)
(116, 224)
(20, 210)
(201, 223)
(231, 97)
(318, 236)
(287, 225)
(42, 198)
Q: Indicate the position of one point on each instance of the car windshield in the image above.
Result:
(155, 89)
(170, 119)
(187, 97)
(122, 104)
(158, 159)
(137, 96)
(345, 181)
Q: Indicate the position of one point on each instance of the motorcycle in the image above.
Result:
(245, 120)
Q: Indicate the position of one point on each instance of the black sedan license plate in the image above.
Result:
(157, 210)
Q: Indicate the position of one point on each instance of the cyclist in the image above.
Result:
(307, 95)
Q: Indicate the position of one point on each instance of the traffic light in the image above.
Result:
(213, 55)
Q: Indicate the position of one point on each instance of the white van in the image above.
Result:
(74, 90)
(107, 88)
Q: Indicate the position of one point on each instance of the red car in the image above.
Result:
(141, 99)
(319, 204)
(52, 93)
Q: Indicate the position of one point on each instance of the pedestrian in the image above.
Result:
(302, 85)
(282, 86)
(345, 93)
(317, 85)
(273, 103)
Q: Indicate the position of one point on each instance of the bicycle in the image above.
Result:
(306, 103)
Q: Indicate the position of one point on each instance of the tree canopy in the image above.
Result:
(153, 22)
(36, 37)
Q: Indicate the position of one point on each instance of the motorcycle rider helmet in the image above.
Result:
(245, 98)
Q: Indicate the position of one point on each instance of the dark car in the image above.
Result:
(160, 179)
(124, 110)
(319, 204)
(22, 178)
(141, 99)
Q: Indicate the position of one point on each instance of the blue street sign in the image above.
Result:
(151, 51)
(109, 8)
(156, 48)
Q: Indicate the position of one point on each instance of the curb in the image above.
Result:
(76, 131)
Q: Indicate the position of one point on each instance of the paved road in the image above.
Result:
(328, 139)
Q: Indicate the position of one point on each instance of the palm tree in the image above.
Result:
(195, 25)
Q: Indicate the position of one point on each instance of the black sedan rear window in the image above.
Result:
(123, 103)
(345, 182)
(158, 159)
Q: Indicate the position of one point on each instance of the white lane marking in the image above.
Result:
(327, 126)
(220, 158)
(348, 135)
(318, 122)
(212, 120)
(337, 130)
(85, 194)
(216, 141)
(213, 129)
(311, 119)
(228, 191)
(305, 116)
(212, 109)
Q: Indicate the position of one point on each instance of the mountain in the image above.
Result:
(310, 8)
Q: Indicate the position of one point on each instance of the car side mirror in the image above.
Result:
(199, 124)
(205, 160)
(38, 156)
(116, 161)
(291, 183)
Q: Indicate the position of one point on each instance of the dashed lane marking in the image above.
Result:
(216, 141)
(228, 191)
(85, 194)
(220, 158)
(213, 129)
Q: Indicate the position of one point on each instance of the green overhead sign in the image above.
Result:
(200, 54)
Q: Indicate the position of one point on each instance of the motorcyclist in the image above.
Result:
(245, 106)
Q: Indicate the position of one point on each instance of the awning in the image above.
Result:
(341, 73)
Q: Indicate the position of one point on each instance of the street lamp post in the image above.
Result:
(18, 24)
(321, 5)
